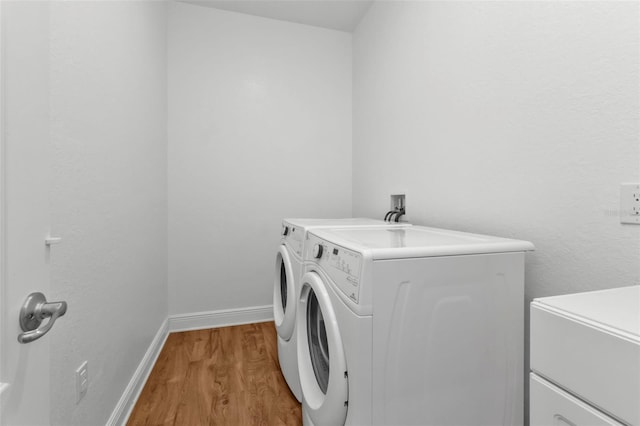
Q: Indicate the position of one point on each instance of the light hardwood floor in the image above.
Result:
(221, 376)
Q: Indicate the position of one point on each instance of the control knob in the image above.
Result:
(317, 251)
(285, 231)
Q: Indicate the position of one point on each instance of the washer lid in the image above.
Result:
(418, 241)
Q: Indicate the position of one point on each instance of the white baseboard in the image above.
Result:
(221, 318)
(128, 399)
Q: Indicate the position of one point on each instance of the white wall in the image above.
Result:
(109, 201)
(517, 119)
(259, 129)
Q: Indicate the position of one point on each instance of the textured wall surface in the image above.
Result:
(518, 119)
(259, 129)
(109, 203)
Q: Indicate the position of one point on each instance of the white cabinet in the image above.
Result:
(585, 359)
(550, 405)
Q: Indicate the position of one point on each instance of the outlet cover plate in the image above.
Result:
(630, 203)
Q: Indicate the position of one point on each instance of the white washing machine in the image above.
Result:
(286, 288)
(411, 326)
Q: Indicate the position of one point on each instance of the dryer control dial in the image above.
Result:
(317, 251)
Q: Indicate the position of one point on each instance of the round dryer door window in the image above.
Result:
(284, 310)
(321, 360)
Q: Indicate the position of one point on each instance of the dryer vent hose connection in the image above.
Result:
(394, 215)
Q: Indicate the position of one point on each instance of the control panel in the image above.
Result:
(342, 265)
(345, 261)
(292, 236)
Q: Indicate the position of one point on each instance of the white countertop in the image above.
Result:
(419, 241)
(618, 308)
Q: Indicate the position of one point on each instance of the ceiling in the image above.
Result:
(343, 15)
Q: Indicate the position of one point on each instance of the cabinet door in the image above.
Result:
(552, 406)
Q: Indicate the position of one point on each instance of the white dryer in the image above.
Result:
(411, 326)
(286, 287)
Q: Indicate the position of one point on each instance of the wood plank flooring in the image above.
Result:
(220, 376)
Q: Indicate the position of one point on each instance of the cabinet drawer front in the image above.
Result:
(551, 405)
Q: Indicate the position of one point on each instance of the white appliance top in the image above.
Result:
(418, 241)
(618, 308)
(347, 222)
(294, 231)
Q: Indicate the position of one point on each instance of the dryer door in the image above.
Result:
(321, 358)
(284, 295)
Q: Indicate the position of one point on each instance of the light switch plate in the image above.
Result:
(630, 203)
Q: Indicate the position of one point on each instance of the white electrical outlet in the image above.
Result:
(82, 381)
(630, 203)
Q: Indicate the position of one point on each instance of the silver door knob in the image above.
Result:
(34, 310)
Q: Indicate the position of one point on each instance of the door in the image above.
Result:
(284, 295)
(24, 133)
(321, 359)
